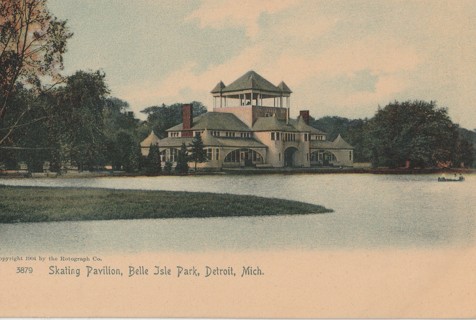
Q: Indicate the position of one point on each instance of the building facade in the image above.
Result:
(250, 127)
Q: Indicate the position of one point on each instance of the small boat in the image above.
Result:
(456, 178)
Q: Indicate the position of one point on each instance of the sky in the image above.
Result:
(340, 58)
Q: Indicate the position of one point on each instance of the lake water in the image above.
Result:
(370, 211)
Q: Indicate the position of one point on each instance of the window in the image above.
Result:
(328, 156)
(209, 153)
(350, 155)
(217, 154)
(172, 154)
(216, 133)
(233, 156)
(272, 135)
(239, 155)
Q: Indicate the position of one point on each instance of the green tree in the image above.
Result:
(182, 160)
(124, 155)
(32, 44)
(414, 131)
(464, 154)
(168, 167)
(82, 102)
(354, 131)
(467, 147)
(154, 165)
(198, 153)
(121, 134)
(24, 144)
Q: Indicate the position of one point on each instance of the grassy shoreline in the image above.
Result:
(44, 204)
(19, 174)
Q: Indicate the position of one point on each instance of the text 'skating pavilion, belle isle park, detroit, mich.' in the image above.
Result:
(250, 127)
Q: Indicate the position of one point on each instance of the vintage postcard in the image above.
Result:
(237, 159)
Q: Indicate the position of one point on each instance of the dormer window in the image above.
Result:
(229, 134)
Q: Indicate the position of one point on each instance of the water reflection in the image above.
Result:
(370, 211)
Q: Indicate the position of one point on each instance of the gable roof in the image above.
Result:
(338, 143)
(284, 88)
(272, 124)
(251, 80)
(293, 125)
(151, 139)
(219, 87)
(301, 125)
(215, 121)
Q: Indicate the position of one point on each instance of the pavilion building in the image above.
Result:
(250, 126)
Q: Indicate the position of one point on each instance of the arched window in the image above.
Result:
(239, 155)
(329, 156)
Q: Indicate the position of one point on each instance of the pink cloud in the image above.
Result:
(220, 14)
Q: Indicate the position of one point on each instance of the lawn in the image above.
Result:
(40, 204)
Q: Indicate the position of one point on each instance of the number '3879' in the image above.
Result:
(24, 270)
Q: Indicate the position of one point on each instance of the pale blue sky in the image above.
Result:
(339, 57)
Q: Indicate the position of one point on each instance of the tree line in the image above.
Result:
(46, 117)
(410, 133)
(79, 124)
(76, 123)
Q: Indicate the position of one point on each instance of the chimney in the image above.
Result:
(305, 115)
(187, 120)
(187, 117)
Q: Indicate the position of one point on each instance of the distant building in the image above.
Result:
(250, 126)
